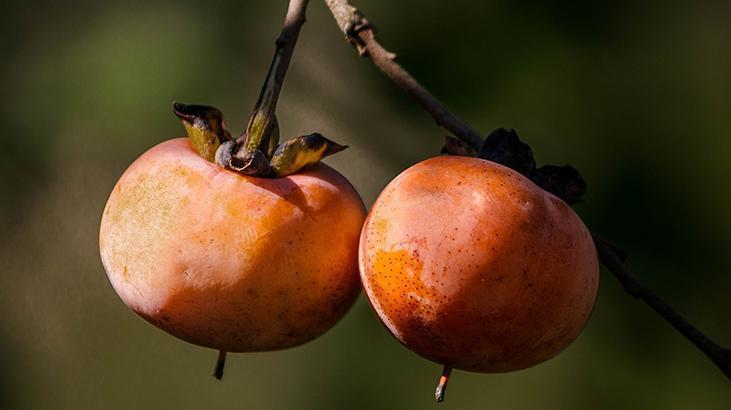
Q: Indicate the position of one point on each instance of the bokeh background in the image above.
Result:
(637, 95)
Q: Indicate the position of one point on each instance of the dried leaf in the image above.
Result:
(565, 182)
(455, 146)
(504, 147)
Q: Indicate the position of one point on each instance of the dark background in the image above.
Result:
(637, 95)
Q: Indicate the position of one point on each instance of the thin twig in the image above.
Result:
(634, 287)
(360, 33)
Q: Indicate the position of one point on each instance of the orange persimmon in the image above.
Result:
(229, 261)
(471, 265)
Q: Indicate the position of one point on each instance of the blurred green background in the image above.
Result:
(637, 95)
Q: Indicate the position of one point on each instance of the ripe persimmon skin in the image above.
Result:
(228, 261)
(470, 264)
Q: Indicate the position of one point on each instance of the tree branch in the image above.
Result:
(634, 287)
(359, 32)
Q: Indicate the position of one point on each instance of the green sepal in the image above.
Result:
(297, 153)
(272, 137)
(204, 126)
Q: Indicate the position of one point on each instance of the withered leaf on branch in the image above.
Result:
(504, 147)
(455, 146)
(565, 182)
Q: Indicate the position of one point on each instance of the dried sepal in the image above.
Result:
(254, 163)
(297, 153)
(455, 146)
(563, 181)
(225, 153)
(204, 126)
(504, 147)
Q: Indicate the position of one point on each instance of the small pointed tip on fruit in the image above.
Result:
(442, 386)
(220, 364)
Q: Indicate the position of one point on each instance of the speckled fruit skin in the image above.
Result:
(470, 264)
(228, 261)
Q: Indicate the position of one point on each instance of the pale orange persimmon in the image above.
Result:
(472, 265)
(228, 261)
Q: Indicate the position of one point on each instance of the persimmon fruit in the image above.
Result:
(471, 265)
(230, 261)
(239, 244)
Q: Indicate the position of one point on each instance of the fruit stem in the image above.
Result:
(442, 386)
(262, 119)
(220, 363)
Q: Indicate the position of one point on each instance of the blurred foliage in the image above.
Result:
(637, 95)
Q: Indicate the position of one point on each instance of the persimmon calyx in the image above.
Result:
(297, 153)
(505, 147)
(272, 140)
(258, 155)
(455, 146)
(261, 134)
(289, 157)
(253, 162)
(205, 127)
